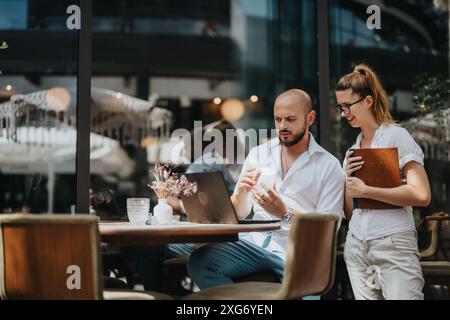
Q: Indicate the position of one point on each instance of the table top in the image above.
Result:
(125, 233)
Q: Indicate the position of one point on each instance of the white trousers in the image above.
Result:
(385, 268)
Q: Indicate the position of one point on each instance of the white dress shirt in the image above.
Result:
(369, 224)
(314, 183)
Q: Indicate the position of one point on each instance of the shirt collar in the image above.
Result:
(314, 146)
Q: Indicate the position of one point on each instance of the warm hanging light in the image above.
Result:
(232, 109)
(59, 98)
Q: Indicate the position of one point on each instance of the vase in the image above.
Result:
(163, 212)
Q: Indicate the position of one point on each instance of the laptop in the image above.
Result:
(212, 203)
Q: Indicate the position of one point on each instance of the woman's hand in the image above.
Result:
(352, 164)
(355, 188)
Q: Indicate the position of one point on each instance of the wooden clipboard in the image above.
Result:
(380, 169)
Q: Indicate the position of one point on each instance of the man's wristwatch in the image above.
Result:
(287, 217)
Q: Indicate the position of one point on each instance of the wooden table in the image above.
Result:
(125, 233)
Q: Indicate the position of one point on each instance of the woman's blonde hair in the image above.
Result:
(364, 82)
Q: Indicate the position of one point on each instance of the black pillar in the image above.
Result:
(143, 86)
(84, 108)
(323, 60)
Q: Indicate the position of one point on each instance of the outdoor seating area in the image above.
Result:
(73, 243)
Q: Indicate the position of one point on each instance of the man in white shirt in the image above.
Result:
(290, 172)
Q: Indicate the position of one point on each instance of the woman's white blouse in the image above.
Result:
(369, 224)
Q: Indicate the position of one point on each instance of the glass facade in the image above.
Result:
(38, 100)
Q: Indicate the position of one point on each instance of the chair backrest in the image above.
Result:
(49, 257)
(434, 229)
(311, 256)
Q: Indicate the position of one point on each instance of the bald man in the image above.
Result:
(289, 173)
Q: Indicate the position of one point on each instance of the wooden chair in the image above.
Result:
(54, 257)
(435, 247)
(436, 272)
(309, 270)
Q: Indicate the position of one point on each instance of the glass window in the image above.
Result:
(159, 66)
(38, 99)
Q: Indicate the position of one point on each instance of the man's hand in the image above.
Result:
(270, 200)
(248, 180)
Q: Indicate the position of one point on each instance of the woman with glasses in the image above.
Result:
(381, 251)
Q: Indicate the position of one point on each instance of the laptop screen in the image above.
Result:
(211, 203)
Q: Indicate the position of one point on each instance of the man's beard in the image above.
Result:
(289, 143)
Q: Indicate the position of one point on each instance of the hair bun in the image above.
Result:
(360, 71)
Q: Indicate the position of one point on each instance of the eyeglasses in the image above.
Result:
(345, 108)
